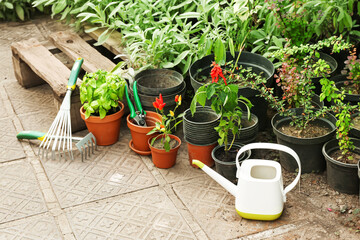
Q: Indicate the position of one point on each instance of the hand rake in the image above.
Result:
(59, 134)
(83, 144)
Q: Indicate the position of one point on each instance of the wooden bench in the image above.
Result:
(34, 64)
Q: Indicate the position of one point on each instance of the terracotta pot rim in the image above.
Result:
(135, 127)
(107, 118)
(161, 150)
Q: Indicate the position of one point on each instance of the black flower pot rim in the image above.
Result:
(211, 58)
(326, 149)
(247, 155)
(200, 145)
(155, 91)
(340, 83)
(201, 109)
(305, 141)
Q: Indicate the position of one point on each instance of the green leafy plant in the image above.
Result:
(168, 122)
(19, 9)
(343, 111)
(225, 101)
(100, 92)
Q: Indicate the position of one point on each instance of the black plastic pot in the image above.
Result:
(199, 129)
(342, 177)
(247, 134)
(152, 82)
(339, 80)
(308, 149)
(228, 169)
(258, 63)
(147, 100)
(333, 65)
(354, 131)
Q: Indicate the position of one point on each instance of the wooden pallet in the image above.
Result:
(35, 63)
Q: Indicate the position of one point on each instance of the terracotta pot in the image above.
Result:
(138, 133)
(106, 130)
(163, 159)
(201, 153)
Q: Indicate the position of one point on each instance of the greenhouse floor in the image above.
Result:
(117, 194)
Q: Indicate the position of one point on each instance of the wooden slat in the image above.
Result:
(74, 46)
(43, 63)
(113, 43)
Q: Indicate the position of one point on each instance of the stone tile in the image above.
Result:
(20, 195)
(145, 214)
(214, 209)
(3, 112)
(10, 147)
(105, 174)
(35, 99)
(39, 227)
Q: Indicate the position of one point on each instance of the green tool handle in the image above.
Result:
(137, 99)
(130, 105)
(74, 73)
(30, 135)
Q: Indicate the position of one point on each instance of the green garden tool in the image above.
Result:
(139, 115)
(83, 143)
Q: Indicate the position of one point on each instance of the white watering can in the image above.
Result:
(259, 193)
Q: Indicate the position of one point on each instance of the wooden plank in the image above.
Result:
(74, 46)
(113, 43)
(43, 63)
(23, 73)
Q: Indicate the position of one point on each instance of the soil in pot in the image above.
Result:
(158, 143)
(338, 156)
(313, 130)
(356, 122)
(227, 156)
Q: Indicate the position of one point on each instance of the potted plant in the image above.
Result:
(164, 146)
(224, 101)
(343, 153)
(300, 124)
(100, 93)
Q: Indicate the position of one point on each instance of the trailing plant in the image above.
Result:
(100, 92)
(225, 101)
(352, 69)
(168, 122)
(343, 111)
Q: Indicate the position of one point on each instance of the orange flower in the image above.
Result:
(159, 103)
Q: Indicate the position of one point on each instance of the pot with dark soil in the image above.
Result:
(225, 160)
(352, 92)
(307, 142)
(160, 157)
(341, 170)
(250, 66)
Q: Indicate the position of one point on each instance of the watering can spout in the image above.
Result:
(217, 177)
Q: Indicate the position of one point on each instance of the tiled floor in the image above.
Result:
(117, 194)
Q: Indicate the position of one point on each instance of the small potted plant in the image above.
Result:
(224, 101)
(165, 145)
(100, 94)
(342, 154)
(300, 123)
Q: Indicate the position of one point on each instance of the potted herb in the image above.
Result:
(224, 101)
(343, 153)
(100, 93)
(300, 124)
(165, 145)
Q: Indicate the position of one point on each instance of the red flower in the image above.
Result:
(216, 71)
(159, 103)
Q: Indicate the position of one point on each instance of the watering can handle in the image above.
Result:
(273, 146)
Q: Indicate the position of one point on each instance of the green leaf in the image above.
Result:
(9, 5)
(189, 15)
(219, 51)
(103, 37)
(20, 12)
(102, 112)
(59, 6)
(181, 57)
(201, 98)
(277, 42)
(231, 47)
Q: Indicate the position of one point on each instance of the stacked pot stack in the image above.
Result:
(200, 135)
(152, 82)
